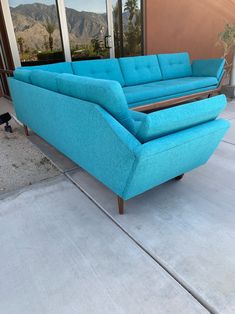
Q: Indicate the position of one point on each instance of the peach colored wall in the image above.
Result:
(186, 25)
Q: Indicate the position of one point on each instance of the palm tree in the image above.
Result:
(133, 33)
(95, 45)
(131, 6)
(50, 28)
(20, 42)
(118, 28)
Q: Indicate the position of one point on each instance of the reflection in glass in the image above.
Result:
(127, 17)
(37, 31)
(87, 26)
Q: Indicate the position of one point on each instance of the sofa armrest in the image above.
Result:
(163, 122)
(167, 157)
(171, 141)
(209, 67)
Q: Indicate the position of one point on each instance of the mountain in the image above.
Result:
(29, 23)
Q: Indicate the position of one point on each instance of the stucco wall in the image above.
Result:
(187, 25)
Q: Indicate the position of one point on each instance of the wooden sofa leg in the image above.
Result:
(120, 205)
(26, 131)
(178, 178)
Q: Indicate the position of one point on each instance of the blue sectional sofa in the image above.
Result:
(89, 120)
(154, 81)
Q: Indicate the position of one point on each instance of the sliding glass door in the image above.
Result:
(88, 29)
(49, 31)
(37, 31)
(128, 27)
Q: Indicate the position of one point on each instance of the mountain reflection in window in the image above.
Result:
(37, 32)
(87, 26)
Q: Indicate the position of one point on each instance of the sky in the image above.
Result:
(98, 6)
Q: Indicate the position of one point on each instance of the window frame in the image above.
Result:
(63, 26)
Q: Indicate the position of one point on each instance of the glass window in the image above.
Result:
(88, 28)
(37, 31)
(127, 19)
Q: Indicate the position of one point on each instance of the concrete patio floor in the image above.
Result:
(64, 248)
(61, 254)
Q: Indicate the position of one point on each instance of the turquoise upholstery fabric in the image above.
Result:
(81, 130)
(44, 79)
(139, 70)
(157, 84)
(108, 94)
(23, 76)
(107, 69)
(168, 87)
(171, 120)
(209, 67)
(137, 116)
(220, 76)
(174, 65)
(165, 158)
(88, 119)
(61, 67)
(153, 100)
(94, 139)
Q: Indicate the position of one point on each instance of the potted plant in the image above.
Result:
(227, 40)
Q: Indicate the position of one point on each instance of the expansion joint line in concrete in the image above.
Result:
(170, 272)
(227, 142)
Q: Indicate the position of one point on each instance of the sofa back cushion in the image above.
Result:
(208, 67)
(44, 79)
(107, 94)
(140, 70)
(175, 65)
(61, 67)
(164, 122)
(107, 69)
(22, 75)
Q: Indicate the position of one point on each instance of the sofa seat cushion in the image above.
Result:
(174, 65)
(140, 70)
(165, 88)
(171, 120)
(107, 69)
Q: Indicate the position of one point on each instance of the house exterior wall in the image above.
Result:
(186, 25)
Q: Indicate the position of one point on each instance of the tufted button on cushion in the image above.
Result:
(175, 65)
(139, 70)
(107, 69)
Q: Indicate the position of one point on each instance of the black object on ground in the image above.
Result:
(5, 118)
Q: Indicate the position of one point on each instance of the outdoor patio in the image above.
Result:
(64, 248)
